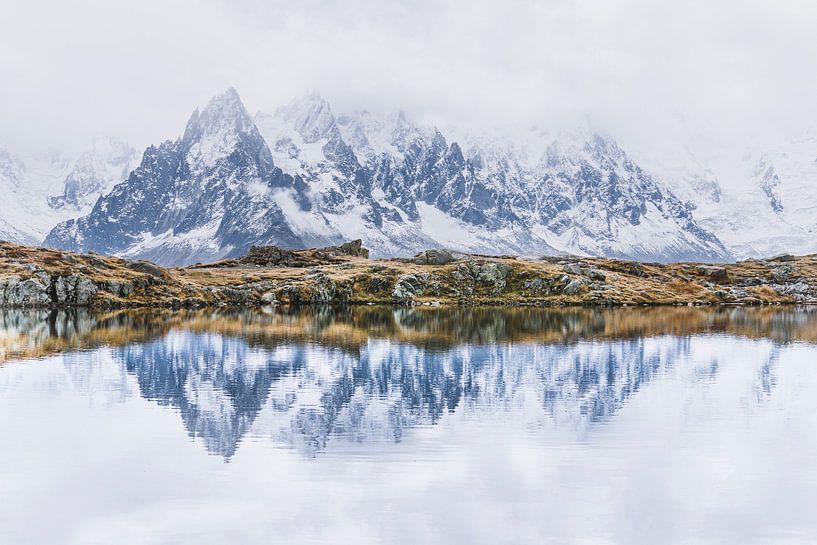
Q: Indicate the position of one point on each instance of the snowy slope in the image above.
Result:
(44, 189)
(760, 202)
(307, 176)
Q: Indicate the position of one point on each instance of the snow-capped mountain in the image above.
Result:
(41, 190)
(760, 202)
(95, 172)
(203, 196)
(306, 176)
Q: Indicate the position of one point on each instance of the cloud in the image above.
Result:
(710, 70)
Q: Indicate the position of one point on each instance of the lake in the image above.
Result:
(380, 425)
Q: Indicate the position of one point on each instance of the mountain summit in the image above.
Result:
(309, 176)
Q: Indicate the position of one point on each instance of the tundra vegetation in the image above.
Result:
(268, 275)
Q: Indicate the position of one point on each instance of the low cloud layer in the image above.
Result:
(703, 71)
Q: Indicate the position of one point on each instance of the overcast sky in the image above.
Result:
(641, 69)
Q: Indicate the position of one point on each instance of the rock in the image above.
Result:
(486, 273)
(589, 272)
(269, 256)
(782, 273)
(233, 295)
(437, 256)
(73, 290)
(84, 290)
(495, 274)
(16, 292)
(269, 298)
(146, 267)
(323, 289)
(572, 268)
(782, 257)
(273, 256)
(574, 286)
(409, 287)
(353, 248)
(537, 285)
(714, 273)
(376, 284)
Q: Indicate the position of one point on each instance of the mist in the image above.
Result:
(697, 73)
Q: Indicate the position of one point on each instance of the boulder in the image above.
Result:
(147, 267)
(409, 287)
(324, 289)
(581, 270)
(353, 248)
(485, 273)
(269, 256)
(73, 290)
(714, 273)
(376, 284)
(575, 286)
(436, 256)
(782, 273)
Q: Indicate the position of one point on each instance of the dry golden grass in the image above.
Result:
(626, 282)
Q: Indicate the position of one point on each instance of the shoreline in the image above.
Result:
(33, 277)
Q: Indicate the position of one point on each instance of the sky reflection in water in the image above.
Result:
(380, 425)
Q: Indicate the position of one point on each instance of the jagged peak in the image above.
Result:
(223, 115)
(310, 115)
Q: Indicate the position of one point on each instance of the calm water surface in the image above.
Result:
(409, 426)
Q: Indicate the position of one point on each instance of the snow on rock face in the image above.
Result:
(766, 199)
(305, 176)
(95, 172)
(194, 198)
(44, 189)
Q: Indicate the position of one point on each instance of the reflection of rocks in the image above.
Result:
(393, 387)
(304, 377)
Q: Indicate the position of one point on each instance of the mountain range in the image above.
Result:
(309, 176)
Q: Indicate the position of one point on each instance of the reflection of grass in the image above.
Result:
(30, 335)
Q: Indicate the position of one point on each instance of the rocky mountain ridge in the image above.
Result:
(306, 177)
(39, 190)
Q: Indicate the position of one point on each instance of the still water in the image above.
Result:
(409, 426)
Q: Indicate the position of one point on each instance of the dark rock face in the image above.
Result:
(353, 248)
(713, 273)
(273, 256)
(269, 256)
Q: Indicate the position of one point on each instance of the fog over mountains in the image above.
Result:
(308, 175)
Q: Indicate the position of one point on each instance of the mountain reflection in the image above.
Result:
(305, 376)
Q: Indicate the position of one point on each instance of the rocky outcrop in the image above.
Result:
(491, 274)
(353, 248)
(436, 256)
(270, 256)
(273, 256)
(17, 292)
(36, 277)
(41, 290)
(409, 287)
